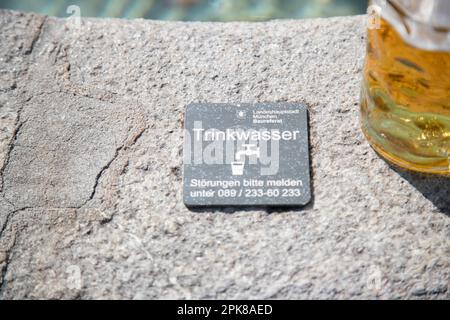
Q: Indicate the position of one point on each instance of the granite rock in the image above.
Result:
(90, 158)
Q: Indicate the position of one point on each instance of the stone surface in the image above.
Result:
(91, 178)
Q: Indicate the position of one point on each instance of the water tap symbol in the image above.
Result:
(237, 167)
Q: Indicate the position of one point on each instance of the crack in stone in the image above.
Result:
(100, 174)
(4, 270)
(8, 249)
(12, 144)
(125, 146)
(70, 87)
(12, 213)
(18, 126)
(8, 217)
(36, 36)
(67, 87)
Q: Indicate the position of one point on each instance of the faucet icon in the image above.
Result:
(249, 150)
(237, 167)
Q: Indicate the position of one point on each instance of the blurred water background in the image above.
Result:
(194, 10)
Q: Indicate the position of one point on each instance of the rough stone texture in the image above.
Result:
(90, 158)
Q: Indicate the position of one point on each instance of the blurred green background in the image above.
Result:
(194, 10)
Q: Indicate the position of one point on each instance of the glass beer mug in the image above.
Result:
(405, 98)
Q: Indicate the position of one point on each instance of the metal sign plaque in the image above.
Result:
(246, 155)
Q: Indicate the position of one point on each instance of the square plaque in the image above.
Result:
(246, 155)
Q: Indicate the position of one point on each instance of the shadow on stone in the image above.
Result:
(267, 209)
(434, 188)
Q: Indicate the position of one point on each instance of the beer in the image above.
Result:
(405, 99)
